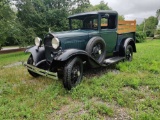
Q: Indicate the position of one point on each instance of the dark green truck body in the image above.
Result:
(73, 44)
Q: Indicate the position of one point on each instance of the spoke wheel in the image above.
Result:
(129, 53)
(97, 51)
(96, 47)
(73, 73)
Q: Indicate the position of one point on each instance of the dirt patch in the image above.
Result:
(76, 108)
(70, 111)
(119, 112)
(13, 65)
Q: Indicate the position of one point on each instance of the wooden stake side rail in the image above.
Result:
(126, 26)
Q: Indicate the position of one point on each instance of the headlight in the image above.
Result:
(38, 41)
(55, 43)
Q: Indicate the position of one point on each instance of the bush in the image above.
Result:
(150, 33)
(140, 37)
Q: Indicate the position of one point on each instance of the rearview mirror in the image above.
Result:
(106, 15)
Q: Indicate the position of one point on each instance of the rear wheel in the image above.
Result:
(73, 73)
(30, 61)
(129, 53)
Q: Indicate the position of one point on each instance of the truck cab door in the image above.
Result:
(108, 31)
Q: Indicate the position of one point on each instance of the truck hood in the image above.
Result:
(73, 33)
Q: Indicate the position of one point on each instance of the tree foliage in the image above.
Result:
(101, 6)
(7, 21)
(148, 26)
(158, 13)
(40, 15)
(33, 18)
(140, 37)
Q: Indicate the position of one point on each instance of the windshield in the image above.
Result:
(84, 22)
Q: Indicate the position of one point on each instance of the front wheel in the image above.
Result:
(30, 61)
(73, 73)
(129, 53)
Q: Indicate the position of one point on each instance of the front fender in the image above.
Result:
(66, 54)
(38, 53)
(70, 53)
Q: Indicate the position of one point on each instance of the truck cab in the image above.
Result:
(95, 38)
(102, 23)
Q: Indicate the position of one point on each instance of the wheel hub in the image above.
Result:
(78, 73)
(100, 52)
(128, 55)
(97, 51)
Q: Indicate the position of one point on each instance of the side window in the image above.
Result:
(90, 22)
(108, 23)
(76, 24)
(95, 23)
(112, 22)
(104, 23)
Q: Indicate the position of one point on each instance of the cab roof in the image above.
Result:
(93, 13)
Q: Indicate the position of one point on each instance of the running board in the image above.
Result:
(113, 60)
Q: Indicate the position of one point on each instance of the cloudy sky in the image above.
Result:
(133, 9)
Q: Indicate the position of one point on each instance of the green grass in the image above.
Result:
(130, 92)
(10, 58)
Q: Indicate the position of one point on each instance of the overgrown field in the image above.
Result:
(127, 90)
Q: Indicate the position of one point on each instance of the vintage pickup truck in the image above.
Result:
(95, 39)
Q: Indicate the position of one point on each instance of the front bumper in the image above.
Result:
(42, 72)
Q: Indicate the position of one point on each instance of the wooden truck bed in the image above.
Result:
(126, 26)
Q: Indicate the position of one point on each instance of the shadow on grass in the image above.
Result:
(92, 72)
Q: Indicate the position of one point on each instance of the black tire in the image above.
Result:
(129, 53)
(96, 47)
(30, 61)
(60, 74)
(73, 73)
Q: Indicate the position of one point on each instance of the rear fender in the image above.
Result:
(37, 53)
(124, 43)
(130, 41)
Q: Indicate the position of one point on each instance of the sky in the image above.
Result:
(133, 9)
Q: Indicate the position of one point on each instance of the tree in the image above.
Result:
(158, 17)
(7, 21)
(120, 17)
(148, 26)
(78, 6)
(42, 15)
(38, 16)
(101, 6)
(158, 13)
